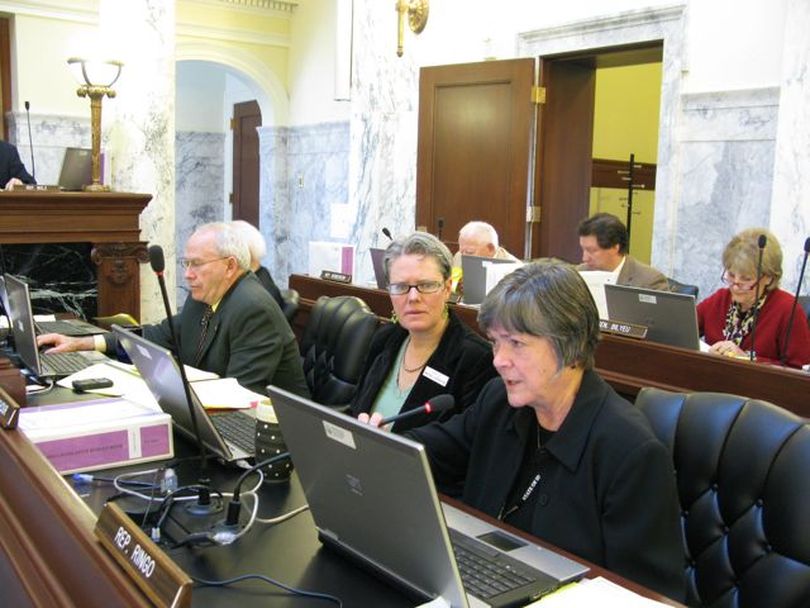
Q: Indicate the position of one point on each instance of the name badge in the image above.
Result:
(437, 377)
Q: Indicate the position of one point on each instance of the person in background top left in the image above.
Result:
(12, 170)
(229, 325)
(428, 350)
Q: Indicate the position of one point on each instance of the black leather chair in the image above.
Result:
(743, 475)
(678, 287)
(334, 347)
(291, 299)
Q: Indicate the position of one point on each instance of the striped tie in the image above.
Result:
(205, 321)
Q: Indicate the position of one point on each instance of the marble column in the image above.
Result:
(140, 127)
(790, 198)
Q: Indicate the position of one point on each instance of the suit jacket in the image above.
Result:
(639, 274)
(462, 356)
(12, 166)
(607, 490)
(248, 338)
(270, 285)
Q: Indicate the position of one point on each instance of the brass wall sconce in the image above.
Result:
(417, 13)
(95, 80)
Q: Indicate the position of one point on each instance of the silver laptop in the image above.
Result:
(231, 435)
(474, 274)
(23, 329)
(76, 169)
(372, 496)
(670, 318)
(377, 256)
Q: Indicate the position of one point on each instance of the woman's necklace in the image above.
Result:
(411, 370)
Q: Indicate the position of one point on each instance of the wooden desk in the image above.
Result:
(109, 221)
(627, 364)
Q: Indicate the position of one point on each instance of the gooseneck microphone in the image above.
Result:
(30, 141)
(784, 350)
(761, 242)
(387, 233)
(439, 403)
(204, 505)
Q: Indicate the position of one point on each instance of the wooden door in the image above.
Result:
(245, 197)
(473, 156)
(562, 177)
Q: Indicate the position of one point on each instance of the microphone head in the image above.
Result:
(387, 233)
(762, 241)
(27, 106)
(156, 260)
(807, 245)
(440, 403)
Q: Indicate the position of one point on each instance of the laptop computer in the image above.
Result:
(377, 256)
(231, 434)
(670, 318)
(372, 497)
(42, 365)
(76, 169)
(474, 273)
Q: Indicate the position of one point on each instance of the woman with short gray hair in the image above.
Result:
(427, 350)
(550, 448)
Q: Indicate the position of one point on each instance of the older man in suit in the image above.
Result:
(230, 325)
(603, 239)
(12, 170)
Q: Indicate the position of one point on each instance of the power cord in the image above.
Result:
(291, 590)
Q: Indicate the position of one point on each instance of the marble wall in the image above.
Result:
(303, 192)
(199, 180)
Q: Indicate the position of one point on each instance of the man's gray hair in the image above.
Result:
(419, 243)
(254, 239)
(546, 298)
(481, 229)
(228, 242)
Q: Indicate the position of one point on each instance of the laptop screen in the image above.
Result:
(474, 273)
(670, 318)
(76, 169)
(22, 323)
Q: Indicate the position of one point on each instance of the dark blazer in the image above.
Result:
(270, 285)
(248, 339)
(608, 489)
(12, 166)
(463, 356)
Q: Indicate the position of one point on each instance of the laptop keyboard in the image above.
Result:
(238, 429)
(62, 364)
(487, 572)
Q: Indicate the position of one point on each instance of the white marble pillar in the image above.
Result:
(790, 199)
(140, 127)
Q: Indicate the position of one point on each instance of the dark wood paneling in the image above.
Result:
(246, 118)
(627, 364)
(107, 220)
(563, 157)
(475, 124)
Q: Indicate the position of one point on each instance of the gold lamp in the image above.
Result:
(95, 80)
(417, 13)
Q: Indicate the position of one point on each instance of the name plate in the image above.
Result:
(152, 571)
(621, 328)
(333, 275)
(9, 411)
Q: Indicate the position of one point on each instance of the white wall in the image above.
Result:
(200, 87)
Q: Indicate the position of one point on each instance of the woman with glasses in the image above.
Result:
(727, 318)
(426, 350)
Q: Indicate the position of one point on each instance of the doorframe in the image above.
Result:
(665, 25)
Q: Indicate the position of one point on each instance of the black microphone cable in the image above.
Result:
(761, 242)
(784, 354)
(30, 141)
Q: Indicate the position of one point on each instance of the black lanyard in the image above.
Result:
(539, 456)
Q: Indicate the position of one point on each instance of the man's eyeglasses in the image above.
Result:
(742, 284)
(400, 289)
(194, 264)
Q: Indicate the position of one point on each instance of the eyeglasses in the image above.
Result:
(743, 285)
(195, 264)
(400, 289)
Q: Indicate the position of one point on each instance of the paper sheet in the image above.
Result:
(596, 592)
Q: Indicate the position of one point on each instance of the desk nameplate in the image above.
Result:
(338, 277)
(9, 411)
(622, 328)
(163, 581)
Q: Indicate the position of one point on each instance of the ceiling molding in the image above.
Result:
(276, 8)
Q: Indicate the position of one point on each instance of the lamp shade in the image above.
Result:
(93, 72)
